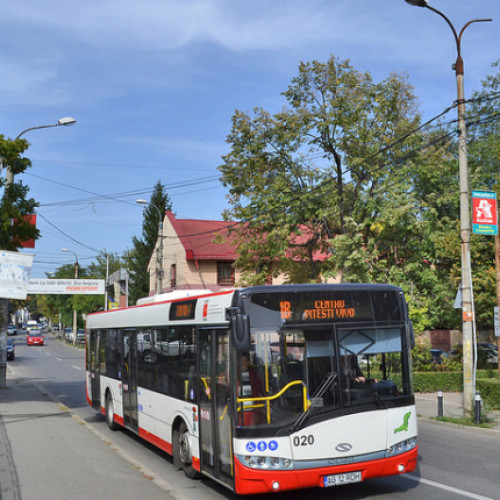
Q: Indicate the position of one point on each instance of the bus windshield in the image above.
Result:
(296, 371)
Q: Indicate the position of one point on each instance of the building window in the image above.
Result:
(225, 274)
(173, 276)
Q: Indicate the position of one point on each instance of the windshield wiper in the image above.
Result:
(315, 397)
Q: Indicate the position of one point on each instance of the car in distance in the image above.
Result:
(11, 353)
(11, 330)
(68, 334)
(34, 337)
(80, 336)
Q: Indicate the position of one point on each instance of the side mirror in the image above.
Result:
(240, 327)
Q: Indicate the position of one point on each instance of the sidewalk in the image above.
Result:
(46, 453)
(427, 407)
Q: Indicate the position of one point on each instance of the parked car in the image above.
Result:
(487, 353)
(437, 356)
(34, 337)
(68, 334)
(11, 352)
(80, 336)
(11, 330)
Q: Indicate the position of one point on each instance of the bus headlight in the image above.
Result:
(401, 447)
(274, 463)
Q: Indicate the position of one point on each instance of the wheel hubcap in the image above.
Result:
(184, 450)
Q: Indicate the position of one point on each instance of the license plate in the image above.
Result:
(340, 479)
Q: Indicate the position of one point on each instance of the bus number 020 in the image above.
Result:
(303, 440)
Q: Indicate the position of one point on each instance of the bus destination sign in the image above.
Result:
(320, 310)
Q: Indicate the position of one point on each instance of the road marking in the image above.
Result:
(59, 359)
(446, 488)
(77, 367)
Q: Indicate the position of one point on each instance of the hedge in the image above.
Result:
(487, 384)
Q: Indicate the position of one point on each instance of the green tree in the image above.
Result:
(350, 168)
(324, 168)
(15, 204)
(137, 258)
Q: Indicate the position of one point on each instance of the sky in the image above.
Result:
(154, 84)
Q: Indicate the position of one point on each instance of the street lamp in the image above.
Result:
(159, 252)
(9, 179)
(75, 318)
(62, 122)
(468, 320)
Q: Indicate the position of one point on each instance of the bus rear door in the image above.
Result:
(95, 376)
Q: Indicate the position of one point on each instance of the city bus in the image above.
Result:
(266, 388)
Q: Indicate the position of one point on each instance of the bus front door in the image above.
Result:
(129, 381)
(215, 416)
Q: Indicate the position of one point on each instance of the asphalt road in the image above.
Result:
(454, 463)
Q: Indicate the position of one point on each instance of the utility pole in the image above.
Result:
(468, 320)
(497, 269)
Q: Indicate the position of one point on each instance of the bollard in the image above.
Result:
(477, 399)
(440, 403)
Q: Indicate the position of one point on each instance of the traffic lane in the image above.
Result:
(57, 369)
(467, 457)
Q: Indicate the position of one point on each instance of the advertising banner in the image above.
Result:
(484, 213)
(66, 287)
(15, 270)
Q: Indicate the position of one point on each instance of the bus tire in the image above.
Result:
(182, 450)
(110, 413)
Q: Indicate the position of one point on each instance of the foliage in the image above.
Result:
(15, 204)
(321, 168)
(347, 168)
(59, 308)
(137, 258)
(436, 381)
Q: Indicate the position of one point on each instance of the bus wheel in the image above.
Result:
(110, 413)
(183, 452)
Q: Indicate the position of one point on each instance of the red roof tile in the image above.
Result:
(200, 239)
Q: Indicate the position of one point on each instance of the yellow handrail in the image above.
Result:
(268, 399)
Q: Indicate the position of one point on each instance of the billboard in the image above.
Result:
(66, 287)
(15, 270)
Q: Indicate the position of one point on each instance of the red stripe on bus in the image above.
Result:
(250, 481)
(157, 441)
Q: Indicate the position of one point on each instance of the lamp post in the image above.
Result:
(468, 320)
(75, 318)
(62, 122)
(159, 252)
(9, 179)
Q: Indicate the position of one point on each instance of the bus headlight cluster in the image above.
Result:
(273, 463)
(401, 447)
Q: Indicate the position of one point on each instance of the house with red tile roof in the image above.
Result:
(196, 254)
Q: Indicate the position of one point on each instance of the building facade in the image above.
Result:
(196, 254)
